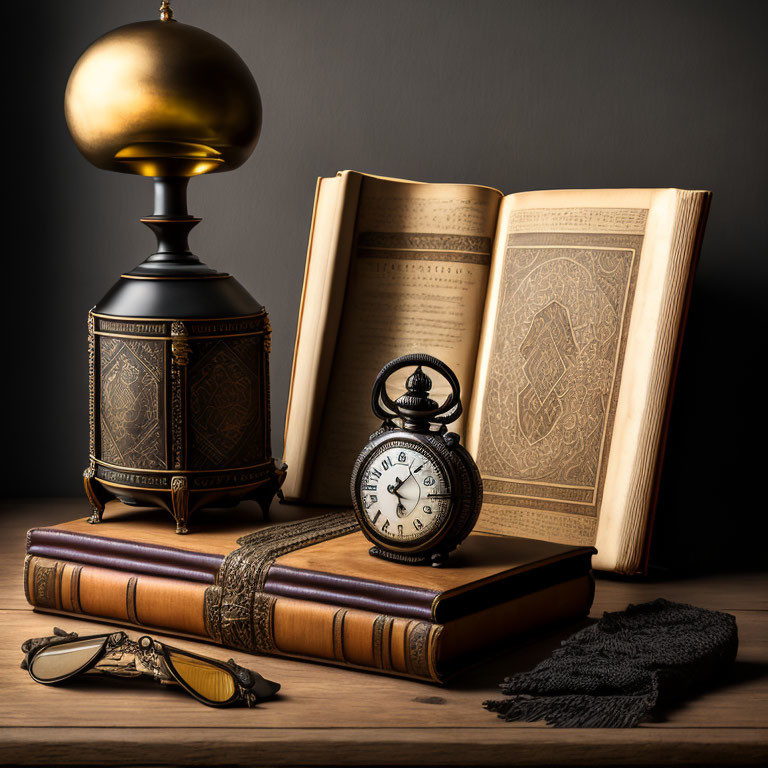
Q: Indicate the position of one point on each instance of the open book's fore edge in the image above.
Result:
(346, 190)
(345, 224)
(703, 213)
(317, 632)
(636, 532)
(301, 307)
(296, 449)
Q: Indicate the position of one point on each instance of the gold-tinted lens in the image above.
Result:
(208, 681)
(62, 659)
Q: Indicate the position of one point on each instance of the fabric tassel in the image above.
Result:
(625, 669)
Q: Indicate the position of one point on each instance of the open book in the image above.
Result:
(561, 313)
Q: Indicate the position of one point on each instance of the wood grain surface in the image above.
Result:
(330, 716)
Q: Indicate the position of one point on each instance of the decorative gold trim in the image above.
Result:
(417, 648)
(180, 349)
(338, 634)
(211, 600)
(257, 484)
(130, 600)
(171, 338)
(180, 502)
(27, 561)
(178, 470)
(239, 612)
(171, 319)
(267, 334)
(97, 507)
(91, 386)
(74, 588)
(60, 568)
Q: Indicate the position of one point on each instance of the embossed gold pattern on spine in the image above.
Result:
(382, 641)
(130, 600)
(339, 619)
(74, 589)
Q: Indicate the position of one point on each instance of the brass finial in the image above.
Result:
(166, 12)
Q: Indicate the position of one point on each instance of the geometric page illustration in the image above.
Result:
(554, 372)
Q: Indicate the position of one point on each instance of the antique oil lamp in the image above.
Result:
(178, 352)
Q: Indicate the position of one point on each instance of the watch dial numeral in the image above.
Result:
(385, 527)
(418, 469)
(386, 464)
(376, 516)
(369, 488)
(399, 530)
(429, 480)
(427, 509)
(376, 474)
(417, 524)
(401, 457)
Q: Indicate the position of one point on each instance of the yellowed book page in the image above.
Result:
(417, 283)
(582, 318)
(325, 278)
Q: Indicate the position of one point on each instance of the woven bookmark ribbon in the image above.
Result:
(624, 669)
(238, 612)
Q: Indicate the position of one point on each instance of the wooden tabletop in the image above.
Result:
(331, 716)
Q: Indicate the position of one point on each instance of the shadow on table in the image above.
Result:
(491, 667)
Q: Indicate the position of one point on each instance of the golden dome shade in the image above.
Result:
(160, 98)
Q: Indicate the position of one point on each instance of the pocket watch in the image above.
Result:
(416, 491)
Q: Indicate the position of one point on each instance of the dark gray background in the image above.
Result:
(518, 95)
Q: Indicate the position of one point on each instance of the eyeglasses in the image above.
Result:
(65, 655)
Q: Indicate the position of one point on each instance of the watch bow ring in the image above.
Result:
(416, 403)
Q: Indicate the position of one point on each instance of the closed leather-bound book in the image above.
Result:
(304, 585)
(337, 569)
(304, 629)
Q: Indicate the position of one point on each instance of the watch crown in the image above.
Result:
(417, 399)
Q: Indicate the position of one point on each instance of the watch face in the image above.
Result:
(405, 492)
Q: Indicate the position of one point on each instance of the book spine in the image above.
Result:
(300, 628)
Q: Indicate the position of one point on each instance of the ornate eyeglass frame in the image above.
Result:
(119, 656)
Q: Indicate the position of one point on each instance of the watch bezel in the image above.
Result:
(440, 455)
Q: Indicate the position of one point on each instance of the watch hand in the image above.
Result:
(400, 482)
(395, 488)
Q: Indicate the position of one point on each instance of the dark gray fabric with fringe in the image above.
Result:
(624, 669)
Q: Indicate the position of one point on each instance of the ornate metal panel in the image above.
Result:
(131, 394)
(226, 403)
